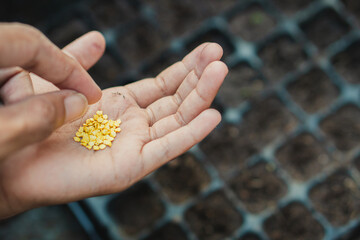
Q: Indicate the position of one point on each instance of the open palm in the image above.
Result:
(161, 117)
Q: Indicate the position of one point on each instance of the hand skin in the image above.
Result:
(162, 117)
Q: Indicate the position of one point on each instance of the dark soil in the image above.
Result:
(325, 28)
(353, 6)
(161, 63)
(241, 84)
(343, 127)
(357, 163)
(55, 222)
(68, 32)
(347, 63)
(267, 120)
(215, 6)
(213, 36)
(141, 42)
(136, 208)
(353, 234)
(303, 157)
(337, 198)
(106, 71)
(294, 221)
(290, 7)
(313, 91)
(168, 231)
(177, 17)
(250, 236)
(252, 24)
(182, 178)
(213, 217)
(258, 187)
(111, 13)
(281, 56)
(229, 146)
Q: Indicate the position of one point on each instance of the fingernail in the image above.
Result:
(75, 106)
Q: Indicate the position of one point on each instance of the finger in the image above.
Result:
(87, 49)
(168, 105)
(24, 46)
(16, 88)
(197, 101)
(166, 83)
(35, 118)
(159, 151)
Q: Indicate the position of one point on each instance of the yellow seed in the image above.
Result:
(97, 132)
(107, 142)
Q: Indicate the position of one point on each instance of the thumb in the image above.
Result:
(35, 118)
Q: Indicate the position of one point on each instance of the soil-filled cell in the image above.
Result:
(343, 127)
(347, 63)
(294, 221)
(141, 42)
(213, 36)
(106, 71)
(325, 28)
(252, 24)
(313, 91)
(337, 198)
(111, 13)
(182, 178)
(290, 7)
(303, 157)
(68, 32)
(227, 148)
(168, 231)
(213, 218)
(136, 208)
(267, 120)
(241, 84)
(281, 56)
(258, 187)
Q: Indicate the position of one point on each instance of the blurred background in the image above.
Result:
(285, 161)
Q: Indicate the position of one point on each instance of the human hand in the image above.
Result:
(24, 49)
(161, 118)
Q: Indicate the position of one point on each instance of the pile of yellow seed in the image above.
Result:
(98, 132)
